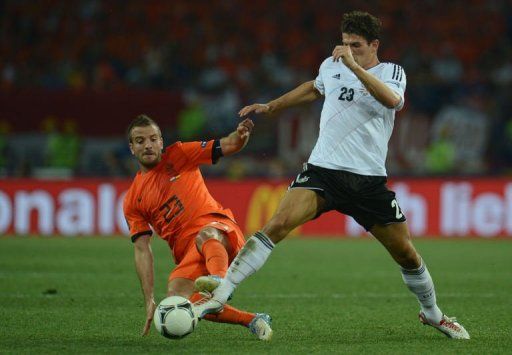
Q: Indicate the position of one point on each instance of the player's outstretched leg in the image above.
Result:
(260, 324)
(296, 208)
(250, 259)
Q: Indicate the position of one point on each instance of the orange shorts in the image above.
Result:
(190, 263)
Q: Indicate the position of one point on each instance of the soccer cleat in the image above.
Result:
(207, 283)
(206, 305)
(448, 325)
(261, 326)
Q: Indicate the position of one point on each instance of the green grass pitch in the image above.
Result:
(67, 295)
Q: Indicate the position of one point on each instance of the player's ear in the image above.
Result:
(131, 148)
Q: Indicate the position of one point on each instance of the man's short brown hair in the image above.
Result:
(362, 24)
(140, 121)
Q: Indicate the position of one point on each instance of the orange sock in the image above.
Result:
(216, 257)
(228, 315)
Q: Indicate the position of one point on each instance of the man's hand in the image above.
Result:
(244, 128)
(256, 108)
(150, 311)
(345, 54)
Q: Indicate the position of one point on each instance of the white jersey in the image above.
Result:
(354, 127)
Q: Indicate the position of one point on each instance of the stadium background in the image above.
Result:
(74, 73)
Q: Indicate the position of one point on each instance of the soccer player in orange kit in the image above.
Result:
(168, 196)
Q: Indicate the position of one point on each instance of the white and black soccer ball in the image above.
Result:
(174, 317)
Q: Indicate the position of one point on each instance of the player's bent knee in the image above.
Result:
(207, 234)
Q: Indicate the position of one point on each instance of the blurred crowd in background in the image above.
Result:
(220, 55)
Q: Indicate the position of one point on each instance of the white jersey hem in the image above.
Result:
(349, 169)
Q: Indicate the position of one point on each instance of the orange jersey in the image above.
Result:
(172, 195)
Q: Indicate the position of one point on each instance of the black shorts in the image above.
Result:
(364, 198)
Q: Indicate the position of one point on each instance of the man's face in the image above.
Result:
(364, 53)
(147, 145)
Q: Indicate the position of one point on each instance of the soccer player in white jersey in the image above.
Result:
(345, 171)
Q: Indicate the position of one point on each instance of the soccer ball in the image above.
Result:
(174, 317)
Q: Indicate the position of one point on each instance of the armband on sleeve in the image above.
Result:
(216, 151)
(140, 234)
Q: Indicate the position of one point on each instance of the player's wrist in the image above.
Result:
(267, 106)
(356, 68)
(271, 106)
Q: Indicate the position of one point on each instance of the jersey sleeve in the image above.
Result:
(319, 81)
(137, 224)
(206, 152)
(394, 77)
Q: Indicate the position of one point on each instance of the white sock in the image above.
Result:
(420, 283)
(250, 259)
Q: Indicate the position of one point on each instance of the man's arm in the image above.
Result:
(144, 266)
(303, 93)
(380, 91)
(238, 139)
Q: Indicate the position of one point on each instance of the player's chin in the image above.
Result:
(149, 160)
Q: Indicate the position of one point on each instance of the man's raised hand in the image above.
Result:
(256, 108)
